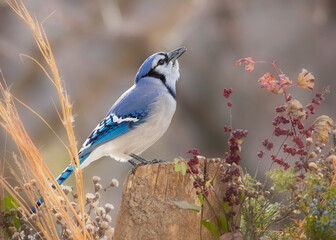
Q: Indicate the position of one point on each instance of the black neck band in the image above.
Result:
(162, 77)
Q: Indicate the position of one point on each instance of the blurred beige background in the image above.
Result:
(100, 44)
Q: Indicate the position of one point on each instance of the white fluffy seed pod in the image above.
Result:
(95, 179)
(114, 183)
(108, 207)
(89, 197)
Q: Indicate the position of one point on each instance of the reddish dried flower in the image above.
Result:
(311, 108)
(265, 142)
(275, 86)
(289, 150)
(308, 132)
(301, 152)
(266, 80)
(229, 104)
(248, 62)
(227, 92)
(227, 129)
(260, 154)
(317, 102)
(226, 178)
(302, 176)
(231, 196)
(239, 133)
(268, 144)
(234, 146)
(278, 131)
(280, 161)
(194, 151)
(193, 161)
(289, 97)
(298, 141)
(233, 158)
(280, 109)
(280, 119)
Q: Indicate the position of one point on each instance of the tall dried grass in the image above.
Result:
(32, 173)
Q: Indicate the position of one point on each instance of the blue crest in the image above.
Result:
(146, 66)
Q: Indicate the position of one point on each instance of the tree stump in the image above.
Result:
(148, 207)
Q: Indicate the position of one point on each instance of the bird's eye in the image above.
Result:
(161, 62)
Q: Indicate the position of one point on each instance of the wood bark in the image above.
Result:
(148, 207)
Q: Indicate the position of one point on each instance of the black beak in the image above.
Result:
(175, 54)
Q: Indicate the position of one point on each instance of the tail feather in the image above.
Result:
(65, 175)
(37, 204)
(60, 179)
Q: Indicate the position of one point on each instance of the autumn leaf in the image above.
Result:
(273, 85)
(306, 80)
(284, 81)
(248, 62)
(266, 80)
(295, 110)
(322, 128)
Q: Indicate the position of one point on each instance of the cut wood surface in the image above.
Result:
(148, 207)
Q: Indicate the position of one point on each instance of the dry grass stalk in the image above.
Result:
(31, 165)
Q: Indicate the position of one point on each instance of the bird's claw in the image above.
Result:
(157, 161)
(142, 162)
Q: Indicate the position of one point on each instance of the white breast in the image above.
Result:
(141, 137)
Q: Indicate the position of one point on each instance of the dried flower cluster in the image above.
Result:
(307, 171)
(19, 225)
(201, 183)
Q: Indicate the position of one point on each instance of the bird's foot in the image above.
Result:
(142, 162)
(135, 165)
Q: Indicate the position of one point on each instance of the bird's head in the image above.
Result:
(163, 66)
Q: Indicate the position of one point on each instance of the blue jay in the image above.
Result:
(138, 118)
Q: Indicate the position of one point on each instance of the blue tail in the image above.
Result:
(37, 204)
(60, 179)
(64, 175)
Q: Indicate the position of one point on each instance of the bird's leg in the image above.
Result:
(145, 161)
(142, 161)
(131, 161)
(135, 164)
(157, 161)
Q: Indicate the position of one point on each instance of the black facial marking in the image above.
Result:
(162, 77)
(154, 74)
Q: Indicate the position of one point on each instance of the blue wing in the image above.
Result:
(130, 110)
(110, 128)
